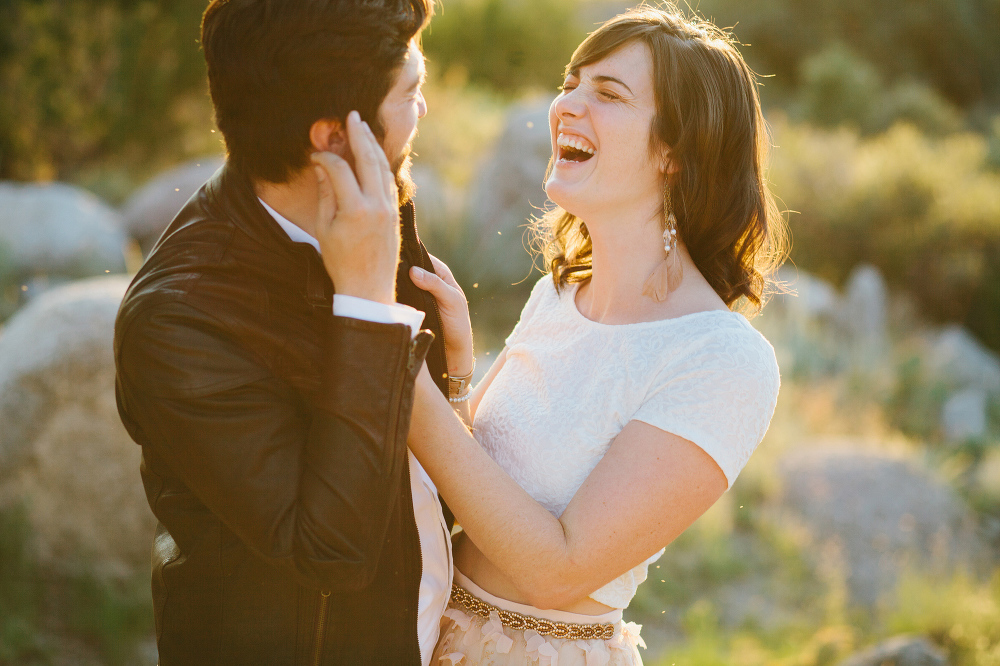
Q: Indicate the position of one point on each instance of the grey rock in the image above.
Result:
(958, 360)
(900, 651)
(57, 229)
(869, 515)
(811, 297)
(864, 311)
(964, 415)
(508, 190)
(151, 208)
(64, 453)
(432, 202)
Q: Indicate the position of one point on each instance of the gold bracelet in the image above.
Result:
(458, 385)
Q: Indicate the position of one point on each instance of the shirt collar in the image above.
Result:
(294, 231)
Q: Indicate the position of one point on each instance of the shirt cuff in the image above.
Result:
(380, 313)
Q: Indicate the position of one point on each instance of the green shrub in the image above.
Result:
(42, 611)
(20, 590)
(511, 45)
(839, 87)
(95, 89)
(948, 45)
(924, 210)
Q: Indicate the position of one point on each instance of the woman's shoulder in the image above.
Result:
(726, 341)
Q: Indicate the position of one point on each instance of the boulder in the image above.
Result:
(864, 311)
(811, 297)
(64, 454)
(57, 229)
(151, 208)
(868, 516)
(433, 207)
(964, 415)
(900, 651)
(957, 359)
(508, 190)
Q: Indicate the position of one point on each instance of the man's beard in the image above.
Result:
(404, 182)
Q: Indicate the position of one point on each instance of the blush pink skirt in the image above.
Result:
(468, 639)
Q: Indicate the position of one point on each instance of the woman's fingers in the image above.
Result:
(366, 164)
(337, 187)
(444, 272)
(454, 311)
(388, 177)
(443, 292)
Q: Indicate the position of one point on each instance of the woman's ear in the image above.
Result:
(668, 165)
(328, 135)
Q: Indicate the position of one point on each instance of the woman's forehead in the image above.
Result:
(631, 64)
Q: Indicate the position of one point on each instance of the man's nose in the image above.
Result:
(421, 106)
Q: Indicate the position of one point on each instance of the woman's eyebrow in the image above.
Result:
(601, 78)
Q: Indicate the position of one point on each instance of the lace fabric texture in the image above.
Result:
(569, 385)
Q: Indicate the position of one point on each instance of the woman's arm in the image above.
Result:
(649, 487)
(484, 384)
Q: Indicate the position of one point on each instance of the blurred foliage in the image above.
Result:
(20, 590)
(948, 45)
(838, 87)
(104, 91)
(44, 615)
(924, 210)
(510, 45)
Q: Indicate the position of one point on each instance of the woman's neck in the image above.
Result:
(626, 251)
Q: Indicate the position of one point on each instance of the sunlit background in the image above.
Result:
(865, 530)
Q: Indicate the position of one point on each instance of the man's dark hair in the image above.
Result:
(277, 66)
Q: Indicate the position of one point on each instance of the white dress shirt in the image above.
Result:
(435, 540)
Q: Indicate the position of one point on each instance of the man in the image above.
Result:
(266, 368)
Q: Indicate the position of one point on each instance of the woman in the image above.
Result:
(630, 395)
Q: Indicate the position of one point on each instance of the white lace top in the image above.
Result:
(569, 385)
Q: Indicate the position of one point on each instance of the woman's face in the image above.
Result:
(600, 127)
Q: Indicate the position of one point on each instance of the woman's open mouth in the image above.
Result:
(574, 149)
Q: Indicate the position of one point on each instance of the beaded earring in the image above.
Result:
(667, 276)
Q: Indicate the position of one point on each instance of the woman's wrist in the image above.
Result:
(461, 362)
(459, 385)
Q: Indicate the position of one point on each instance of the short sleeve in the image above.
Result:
(543, 286)
(719, 394)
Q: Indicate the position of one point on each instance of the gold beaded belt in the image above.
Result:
(513, 620)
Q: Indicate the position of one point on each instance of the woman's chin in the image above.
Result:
(563, 195)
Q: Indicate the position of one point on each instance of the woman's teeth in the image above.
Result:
(566, 142)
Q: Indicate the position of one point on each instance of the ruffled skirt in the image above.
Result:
(468, 639)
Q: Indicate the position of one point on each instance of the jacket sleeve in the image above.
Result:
(313, 495)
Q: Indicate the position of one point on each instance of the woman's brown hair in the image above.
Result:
(708, 115)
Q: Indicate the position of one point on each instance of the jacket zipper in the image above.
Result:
(324, 606)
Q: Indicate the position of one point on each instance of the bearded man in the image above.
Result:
(266, 354)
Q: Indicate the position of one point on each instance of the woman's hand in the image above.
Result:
(357, 223)
(454, 310)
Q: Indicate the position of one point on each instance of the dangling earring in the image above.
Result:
(667, 276)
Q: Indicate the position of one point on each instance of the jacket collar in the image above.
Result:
(231, 192)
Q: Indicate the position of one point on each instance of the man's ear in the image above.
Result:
(329, 135)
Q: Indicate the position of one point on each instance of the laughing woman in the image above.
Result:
(630, 394)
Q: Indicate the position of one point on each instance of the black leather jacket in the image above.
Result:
(273, 443)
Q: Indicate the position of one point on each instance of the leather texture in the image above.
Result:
(274, 443)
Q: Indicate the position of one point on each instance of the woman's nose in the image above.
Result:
(568, 105)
